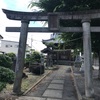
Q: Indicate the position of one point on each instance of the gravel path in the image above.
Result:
(57, 86)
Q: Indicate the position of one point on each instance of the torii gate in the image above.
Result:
(53, 21)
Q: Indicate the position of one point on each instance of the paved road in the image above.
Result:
(57, 86)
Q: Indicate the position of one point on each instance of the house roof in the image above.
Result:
(46, 50)
(1, 37)
(55, 41)
(10, 41)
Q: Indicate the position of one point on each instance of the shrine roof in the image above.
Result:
(46, 50)
(53, 40)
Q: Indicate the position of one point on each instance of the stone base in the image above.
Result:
(86, 98)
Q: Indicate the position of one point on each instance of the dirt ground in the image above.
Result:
(6, 94)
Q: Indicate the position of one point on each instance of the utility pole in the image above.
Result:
(31, 44)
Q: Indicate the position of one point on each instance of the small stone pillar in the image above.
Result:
(20, 57)
(82, 68)
(87, 58)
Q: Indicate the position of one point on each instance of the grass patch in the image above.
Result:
(26, 82)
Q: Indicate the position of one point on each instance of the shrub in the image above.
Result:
(11, 55)
(33, 58)
(5, 61)
(6, 75)
(36, 57)
(2, 85)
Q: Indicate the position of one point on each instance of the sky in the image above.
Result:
(20, 5)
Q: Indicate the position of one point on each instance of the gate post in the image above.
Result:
(87, 58)
(20, 57)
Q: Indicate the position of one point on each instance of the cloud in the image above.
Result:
(22, 5)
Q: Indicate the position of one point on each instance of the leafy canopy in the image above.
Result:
(66, 5)
(72, 39)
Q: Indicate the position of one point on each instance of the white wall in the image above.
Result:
(10, 46)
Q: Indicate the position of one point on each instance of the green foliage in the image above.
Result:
(6, 75)
(2, 85)
(46, 5)
(11, 55)
(73, 40)
(66, 5)
(33, 57)
(27, 59)
(5, 61)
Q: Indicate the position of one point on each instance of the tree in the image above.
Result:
(65, 5)
(11, 55)
(73, 5)
(35, 56)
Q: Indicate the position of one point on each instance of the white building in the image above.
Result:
(11, 46)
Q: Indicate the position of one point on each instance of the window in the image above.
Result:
(8, 45)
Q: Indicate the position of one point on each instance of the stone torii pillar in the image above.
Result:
(20, 57)
(87, 58)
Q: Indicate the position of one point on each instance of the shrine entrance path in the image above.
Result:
(56, 86)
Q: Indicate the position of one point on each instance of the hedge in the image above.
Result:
(6, 75)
